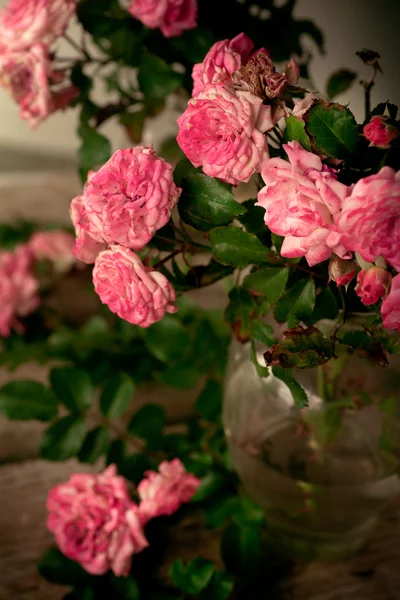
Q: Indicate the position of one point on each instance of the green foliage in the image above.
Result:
(59, 569)
(72, 387)
(235, 247)
(295, 131)
(116, 395)
(206, 202)
(209, 401)
(94, 151)
(299, 395)
(253, 221)
(63, 439)
(156, 78)
(194, 577)
(96, 444)
(269, 282)
(147, 422)
(23, 400)
(243, 311)
(300, 348)
(339, 82)
(241, 548)
(332, 128)
(296, 304)
(167, 340)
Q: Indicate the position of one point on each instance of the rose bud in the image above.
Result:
(373, 284)
(341, 271)
(379, 132)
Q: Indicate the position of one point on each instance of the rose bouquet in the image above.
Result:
(315, 244)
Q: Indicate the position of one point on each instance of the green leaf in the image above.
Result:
(296, 304)
(299, 395)
(72, 387)
(116, 395)
(340, 81)
(126, 588)
(116, 453)
(95, 445)
(235, 247)
(22, 400)
(269, 282)
(326, 306)
(167, 340)
(240, 313)
(148, 422)
(241, 548)
(206, 202)
(97, 18)
(263, 333)
(156, 78)
(332, 128)
(220, 587)
(59, 569)
(194, 577)
(134, 466)
(94, 151)
(366, 345)
(182, 376)
(300, 348)
(203, 275)
(194, 43)
(295, 131)
(212, 483)
(253, 220)
(183, 169)
(63, 439)
(134, 123)
(209, 401)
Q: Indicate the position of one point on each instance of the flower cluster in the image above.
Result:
(172, 17)
(321, 217)
(236, 99)
(96, 523)
(27, 30)
(121, 208)
(19, 286)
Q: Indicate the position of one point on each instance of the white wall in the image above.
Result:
(349, 25)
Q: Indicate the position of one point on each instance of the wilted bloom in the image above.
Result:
(18, 288)
(223, 132)
(164, 492)
(171, 16)
(56, 246)
(95, 522)
(302, 106)
(124, 202)
(379, 132)
(370, 220)
(24, 23)
(373, 284)
(341, 271)
(137, 294)
(391, 306)
(223, 59)
(301, 198)
(25, 75)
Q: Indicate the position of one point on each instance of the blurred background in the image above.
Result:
(348, 26)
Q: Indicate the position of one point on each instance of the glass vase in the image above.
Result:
(323, 473)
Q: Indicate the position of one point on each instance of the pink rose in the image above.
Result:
(56, 246)
(302, 106)
(373, 284)
(391, 306)
(24, 23)
(25, 75)
(171, 16)
(223, 59)
(95, 522)
(341, 271)
(18, 288)
(125, 202)
(300, 199)
(379, 132)
(137, 294)
(164, 492)
(222, 131)
(370, 219)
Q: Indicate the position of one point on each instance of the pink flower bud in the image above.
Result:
(341, 271)
(292, 71)
(379, 132)
(391, 306)
(373, 284)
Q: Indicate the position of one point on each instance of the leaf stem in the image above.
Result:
(74, 45)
